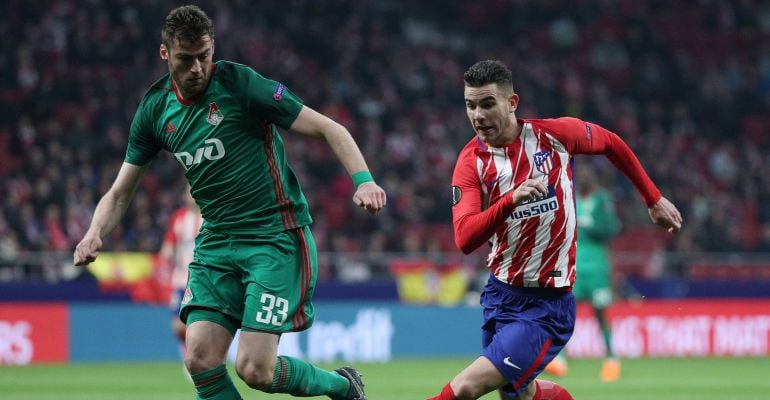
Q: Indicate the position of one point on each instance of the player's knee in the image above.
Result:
(257, 375)
(467, 389)
(197, 359)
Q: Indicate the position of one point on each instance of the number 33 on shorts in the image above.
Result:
(275, 310)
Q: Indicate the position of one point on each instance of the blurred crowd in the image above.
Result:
(686, 84)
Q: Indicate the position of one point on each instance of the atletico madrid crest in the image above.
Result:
(215, 116)
(543, 161)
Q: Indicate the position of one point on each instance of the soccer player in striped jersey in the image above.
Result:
(512, 188)
(176, 253)
(255, 260)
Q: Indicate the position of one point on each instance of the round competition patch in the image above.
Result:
(457, 194)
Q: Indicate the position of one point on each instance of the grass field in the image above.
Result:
(668, 379)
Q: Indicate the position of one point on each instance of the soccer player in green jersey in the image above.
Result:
(255, 262)
(597, 224)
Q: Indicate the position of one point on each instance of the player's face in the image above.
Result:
(491, 111)
(189, 64)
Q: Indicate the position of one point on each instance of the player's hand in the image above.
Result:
(370, 197)
(530, 190)
(666, 215)
(87, 250)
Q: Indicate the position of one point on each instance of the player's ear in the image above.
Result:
(513, 101)
(163, 52)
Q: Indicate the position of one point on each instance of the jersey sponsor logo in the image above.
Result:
(170, 128)
(214, 150)
(507, 361)
(537, 207)
(278, 91)
(543, 161)
(457, 194)
(215, 116)
(588, 132)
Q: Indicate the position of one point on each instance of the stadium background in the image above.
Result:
(686, 84)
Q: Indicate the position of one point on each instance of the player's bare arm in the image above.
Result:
(309, 122)
(665, 214)
(108, 212)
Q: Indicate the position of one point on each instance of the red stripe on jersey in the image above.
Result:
(285, 205)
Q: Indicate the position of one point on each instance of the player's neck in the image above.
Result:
(513, 133)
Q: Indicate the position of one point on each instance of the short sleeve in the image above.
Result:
(142, 145)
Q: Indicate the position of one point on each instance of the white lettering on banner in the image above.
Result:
(367, 339)
(16, 347)
(586, 339)
(741, 336)
(628, 336)
(678, 336)
(675, 336)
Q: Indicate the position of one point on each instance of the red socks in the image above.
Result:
(547, 390)
(446, 394)
(544, 390)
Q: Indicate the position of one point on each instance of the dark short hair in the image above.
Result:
(487, 72)
(186, 24)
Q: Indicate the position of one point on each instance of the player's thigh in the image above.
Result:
(279, 281)
(526, 333)
(207, 342)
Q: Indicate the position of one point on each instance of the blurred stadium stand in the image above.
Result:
(686, 84)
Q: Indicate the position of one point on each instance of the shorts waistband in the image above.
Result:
(531, 291)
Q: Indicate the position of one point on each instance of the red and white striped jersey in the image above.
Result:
(532, 244)
(183, 227)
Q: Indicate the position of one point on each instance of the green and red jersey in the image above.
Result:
(226, 140)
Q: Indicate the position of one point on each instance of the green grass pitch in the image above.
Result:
(658, 378)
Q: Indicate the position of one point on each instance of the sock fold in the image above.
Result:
(215, 384)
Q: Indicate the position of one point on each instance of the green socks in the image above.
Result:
(292, 376)
(215, 384)
(301, 379)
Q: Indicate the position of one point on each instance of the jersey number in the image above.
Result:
(275, 310)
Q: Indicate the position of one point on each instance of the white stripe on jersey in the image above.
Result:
(532, 258)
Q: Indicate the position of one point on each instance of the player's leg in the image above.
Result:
(212, 307)
(279, 282)
(178, 327)
(209, 335)
(482, 377)
(474, 381)
(259, 367)
(602, 298)
(524, 329)
(180, 331)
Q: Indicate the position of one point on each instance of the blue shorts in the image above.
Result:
(524, 329)
(175, 304)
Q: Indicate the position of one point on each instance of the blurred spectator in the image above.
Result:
(687, 85)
